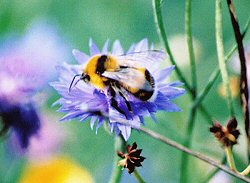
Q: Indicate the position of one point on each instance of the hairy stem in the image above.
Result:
(221, 57)
(192, 115)
(163, 36)
(120, 145)
(215, 74)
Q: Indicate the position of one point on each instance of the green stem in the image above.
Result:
(163, 36)
(192, 115)
(138, 177)
(246, 171)
(189, 134)
(211, 80)
(221, 58)
(190, 46)
(120, 145)
(216, 71)
(230, 158)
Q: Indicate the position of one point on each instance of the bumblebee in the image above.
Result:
(122, 74)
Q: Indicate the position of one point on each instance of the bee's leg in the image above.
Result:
(126, 101)
(124, 96)
(114, 103)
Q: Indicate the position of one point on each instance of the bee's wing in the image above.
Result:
(130, 77)
(142, 59)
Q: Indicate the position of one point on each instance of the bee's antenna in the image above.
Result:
(77, 75)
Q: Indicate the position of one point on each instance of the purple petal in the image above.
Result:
(141, 46)
(175, 84)
(105, 48)
(142, 120)
(92, 121)
(165, 73)
(80, 56)
(163, 103)
(71, 116)
(117, 48)
(131, 49)
(153, 117)
(100, 123)
(93, 48)
(84, 117)
(125, 131)
(172, 92)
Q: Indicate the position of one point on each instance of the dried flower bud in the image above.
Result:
(226, 135)
(131, 159)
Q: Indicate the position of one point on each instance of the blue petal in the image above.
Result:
(141, 46)
(142, 120)
(165, 73)
(131, 49)
(163, 103)
(80, 56)
(92, 121)
(105, 48)
(117, 48)
(172, 92)
(84, 117)
(153, 117)
(125, 131)
(71, 116)
(100, 123)
(93, 48)
(175, 84)
(112, 126)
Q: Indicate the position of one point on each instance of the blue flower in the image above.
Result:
(88, 101)
(23, 118)
(24, 70)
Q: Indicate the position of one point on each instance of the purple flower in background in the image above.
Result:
(47, 142)
(26, 67)
(121, 105)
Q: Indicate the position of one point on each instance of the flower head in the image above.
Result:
(23, 118)
(55, 170)
(226, 135)
(115, 95)
(132, 158)
(24, 70)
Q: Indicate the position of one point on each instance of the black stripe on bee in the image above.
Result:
(149, 78)
(144, 94)
(100, 66)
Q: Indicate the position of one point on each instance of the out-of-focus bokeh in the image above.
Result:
(69, 24)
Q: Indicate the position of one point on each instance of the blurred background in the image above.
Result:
(53, 28)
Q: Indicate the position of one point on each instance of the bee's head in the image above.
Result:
(85, 77)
